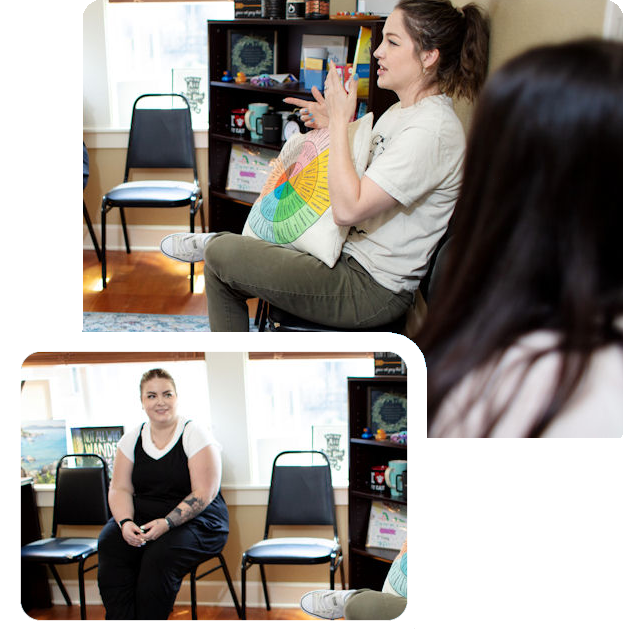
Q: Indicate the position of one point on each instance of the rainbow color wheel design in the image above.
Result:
(296, 193)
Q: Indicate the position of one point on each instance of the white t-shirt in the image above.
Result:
(195, 438)
(594, 410)
(416, 157)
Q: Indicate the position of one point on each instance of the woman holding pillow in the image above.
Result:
(396, 212)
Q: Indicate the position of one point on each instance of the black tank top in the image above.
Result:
(161, 484)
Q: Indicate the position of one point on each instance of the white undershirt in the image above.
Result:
(195, 438)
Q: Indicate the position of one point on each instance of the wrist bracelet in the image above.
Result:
(169, 522)
(122, 522)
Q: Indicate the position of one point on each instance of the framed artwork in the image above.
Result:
(253, 53)
(333, 441)
(387, 410)
(43, 443)
(249, 168)
(387, 526)
(97, 440)
(193, 85)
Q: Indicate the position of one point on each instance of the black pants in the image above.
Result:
(142, 583)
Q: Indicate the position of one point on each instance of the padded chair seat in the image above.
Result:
(152, 193)
(59, 550)
(292, 550)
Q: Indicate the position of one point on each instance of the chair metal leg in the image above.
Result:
(243, 589)
(332, 578)
(193, 593)
(203, 218)
(83, 606)
(264, 587)
(125, 230)
(230, 585)
(87, 220)
(342, 574)
(61, 587)
(103, 225)
(260, 315)
(192, 265)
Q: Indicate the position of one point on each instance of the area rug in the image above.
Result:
(116, 322)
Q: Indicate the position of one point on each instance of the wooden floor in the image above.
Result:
(180, 612)
(143, 283)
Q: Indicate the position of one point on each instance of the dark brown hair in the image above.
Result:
(538, 224)
(460, 35)
(157, 372)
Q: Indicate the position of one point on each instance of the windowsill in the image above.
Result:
(117, 138)
(233, 495)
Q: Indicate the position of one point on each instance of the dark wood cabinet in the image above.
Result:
(228, 210)
(368, 567)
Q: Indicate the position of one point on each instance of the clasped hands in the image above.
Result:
(336, 104)
(137, 536)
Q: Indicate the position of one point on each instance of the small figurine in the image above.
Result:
(263, 80)
(381, 435)
(366, 433)
(240, 78)
(227, 77)
(399, 437)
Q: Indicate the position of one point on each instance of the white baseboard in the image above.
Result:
(215, 593)
(142, 237)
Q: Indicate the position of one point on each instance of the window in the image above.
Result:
(297, 404)
(147, 41)
(59, 397)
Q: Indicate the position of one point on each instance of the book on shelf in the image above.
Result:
(361, 61)
(387, 364)
(247, 9)
(336, 46)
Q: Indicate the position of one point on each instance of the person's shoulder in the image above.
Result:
(132, 433)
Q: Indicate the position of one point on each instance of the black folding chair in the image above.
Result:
(194, 578)
(160, 138)
(299, 495)
(80, 498)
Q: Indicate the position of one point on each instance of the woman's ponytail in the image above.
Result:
(460, 35)
(474, 59)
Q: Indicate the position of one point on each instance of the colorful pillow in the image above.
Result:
(293, 209)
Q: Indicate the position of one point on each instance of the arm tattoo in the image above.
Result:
(187, 509)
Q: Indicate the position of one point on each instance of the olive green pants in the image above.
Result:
(239, 267)
(373, 606)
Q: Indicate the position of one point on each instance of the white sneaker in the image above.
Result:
(325, 604)
(185, 247)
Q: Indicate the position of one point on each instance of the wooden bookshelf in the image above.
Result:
(368, 567)
(227, 211)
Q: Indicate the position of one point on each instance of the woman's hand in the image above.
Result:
(340, 103)
(313, 114)
(155, 529)
(132, 534)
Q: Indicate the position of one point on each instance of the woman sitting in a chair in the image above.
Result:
(396, 213)
(168, 512)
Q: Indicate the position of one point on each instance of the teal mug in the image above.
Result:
(395, 475)
(253, 119)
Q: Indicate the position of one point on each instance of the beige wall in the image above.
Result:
(516, 25)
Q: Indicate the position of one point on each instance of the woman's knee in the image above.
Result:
(219, 250)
